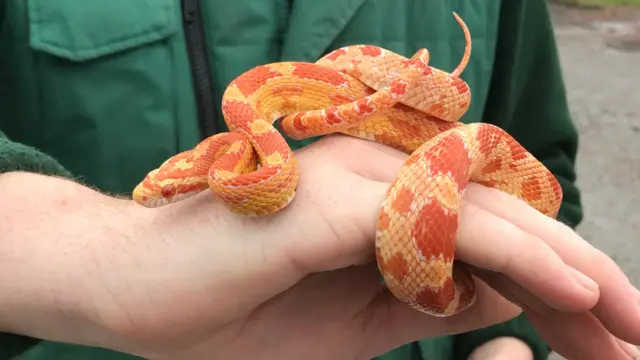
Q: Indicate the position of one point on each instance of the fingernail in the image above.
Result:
(629, 349)
(585, 281)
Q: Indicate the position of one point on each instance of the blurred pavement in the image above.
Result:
(600, 54)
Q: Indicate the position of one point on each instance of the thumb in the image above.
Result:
(331, 223)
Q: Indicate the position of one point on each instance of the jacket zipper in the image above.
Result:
(200, 69)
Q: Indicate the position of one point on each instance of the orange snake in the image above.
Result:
(370, 93)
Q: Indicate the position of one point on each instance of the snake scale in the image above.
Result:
(375, 94)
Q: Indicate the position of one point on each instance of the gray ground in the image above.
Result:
(598, 54)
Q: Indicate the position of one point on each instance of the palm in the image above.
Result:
(325, 316)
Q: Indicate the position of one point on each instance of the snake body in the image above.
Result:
(370, 93)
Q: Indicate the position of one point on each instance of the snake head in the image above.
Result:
(159, 189)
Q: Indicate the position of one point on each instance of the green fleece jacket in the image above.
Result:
(85, 84)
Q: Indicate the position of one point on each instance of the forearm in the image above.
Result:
(56, 237)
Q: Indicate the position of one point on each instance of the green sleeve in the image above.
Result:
(18, 157)
(527, 99)
(12, 345)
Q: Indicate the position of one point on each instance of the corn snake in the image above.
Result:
(374, 94)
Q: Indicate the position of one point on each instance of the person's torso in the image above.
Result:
(113, 88)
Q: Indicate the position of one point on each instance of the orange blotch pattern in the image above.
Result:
(339, 99)
(254, 79)
(532, 189)
(454, 161)
(384, 221)
(241, 114)
(313, 72)
(486, 141)
(459, 85)
(298, 123)
(438, 298)
(402, 200)
(434, 231)
(517, 151)
(372, 51)
(270, 142)
(334, 55)
(364, 107)
(492, 166)
(398, 87)
(333, 116)
(397, 266)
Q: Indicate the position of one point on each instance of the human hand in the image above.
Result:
(194, 281)
(301, 283)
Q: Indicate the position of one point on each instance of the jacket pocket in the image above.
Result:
(107, 78)
(84, 30)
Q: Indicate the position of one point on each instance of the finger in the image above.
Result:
(489, 242)
(548, 320)
(393, 323)
(333, 236)
(332, 222)
(577, 336)
(511, 290)
(618, 307)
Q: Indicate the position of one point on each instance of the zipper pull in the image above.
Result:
(190, 10)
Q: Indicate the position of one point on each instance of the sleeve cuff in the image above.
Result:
(15, 345)
(18, 157)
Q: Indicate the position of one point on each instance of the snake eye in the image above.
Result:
(168, 191)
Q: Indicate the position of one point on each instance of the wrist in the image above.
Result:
(52, 274)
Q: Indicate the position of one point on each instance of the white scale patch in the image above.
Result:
(368, 104)
(335, 114)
